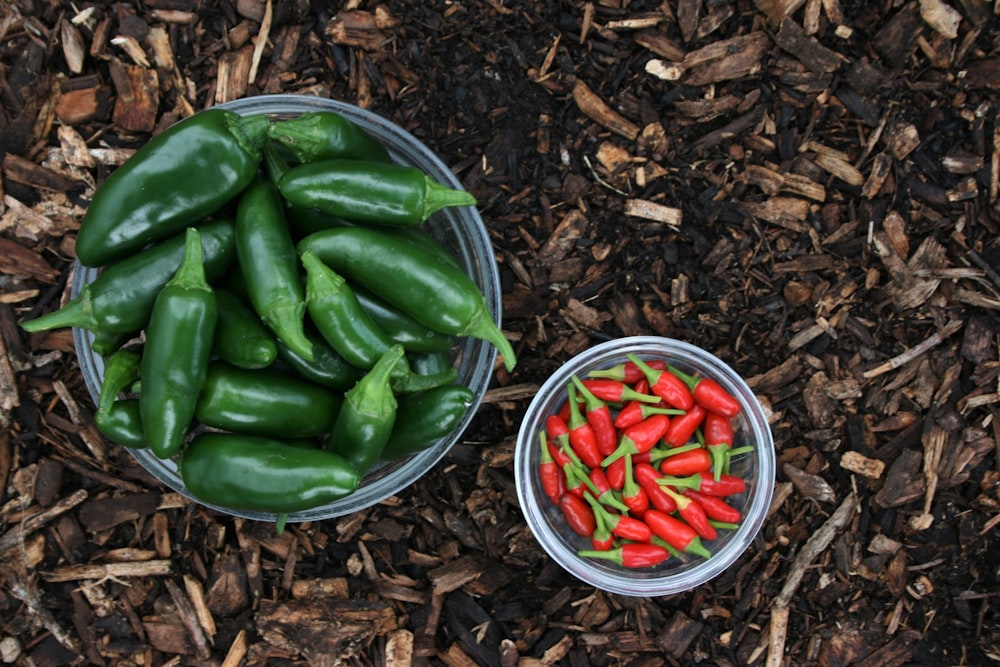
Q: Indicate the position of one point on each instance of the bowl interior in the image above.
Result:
(460, 229)
(675, 575)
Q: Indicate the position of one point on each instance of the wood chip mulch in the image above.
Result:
(809, 189)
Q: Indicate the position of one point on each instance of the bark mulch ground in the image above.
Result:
(809, 189)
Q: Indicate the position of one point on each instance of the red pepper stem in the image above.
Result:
(574, 473)
(655, 539)
(720, 460)
(660, 453)
(598, 503)
(690, 380)
(591, 402)
(625, 446)
(696, 548)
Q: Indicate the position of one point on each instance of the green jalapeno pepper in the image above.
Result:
(326, 368)
(262, 474)
(180, 176)
(269, 265)
(425, 417)
(401, 328)
(121, 423)
(121, 370)
(439, 296)
(264, 401)
(176, 353)
(323, 135)
(365, 421)
(118, 302)
(430, 363)
(241, 338)
(370, 192)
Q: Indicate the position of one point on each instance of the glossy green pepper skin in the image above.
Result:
(121, 423)
(401, 328)
(121, 370)
(425, 417)
(270, 266)
(324, 135)
(439, 296)
(117, 304)
(326, 368)
(179, 177)
(367, 417)
(176, 354)
(265, 402)
(241, 338)
(262, 474)
(369, 192)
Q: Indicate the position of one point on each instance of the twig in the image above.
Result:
(914, 352)
(17, 534)
(813, 548)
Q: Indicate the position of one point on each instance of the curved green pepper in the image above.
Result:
(121, 370)
(326, 368)
(371, 192)
(262, 474)
(323, 135)
(118, 302)
(366, 419)
(425, 417)
(176, 354)
(180, 176)
(265, 402)
(439, 296)
(121, 423)
(401, 328)
(269, 265)
(241, 338)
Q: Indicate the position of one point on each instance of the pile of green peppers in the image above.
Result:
(269, 311)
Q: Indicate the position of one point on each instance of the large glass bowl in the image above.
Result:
(676, 575)
(460, 229)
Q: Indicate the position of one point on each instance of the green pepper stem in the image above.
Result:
(696, 548)
(77, 313)
(250, 131)
(438, 196)
(482, 326)
(689, 380)
(409, 382)
(276, 165)
(190, 274)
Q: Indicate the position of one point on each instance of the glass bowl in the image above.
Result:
(675, 575)
(460, 229)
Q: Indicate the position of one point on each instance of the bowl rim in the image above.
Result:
(477, 356)
(609, 577)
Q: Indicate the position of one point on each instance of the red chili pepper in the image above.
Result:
(726, 485)
(621, 525)
(627, 371)
(633, 495)
(666, 385)
(602, 539)
(581, 434)
(715, 507)
(615, 472)
(549, 472)
(634, 555)
(599, 417)
(605, 494)
(694, 514)
(708, 393)
(687, 462)
(616, 392)
(684, 426)
(640, 438)
(578, 515)
(675, 532)
(717, 431)
(648, 478)
(635, 411)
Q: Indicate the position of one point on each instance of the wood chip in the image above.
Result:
(601, 113)
(862, 465)
(647, 210)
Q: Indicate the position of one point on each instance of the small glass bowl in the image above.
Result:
(676, 575)
(460, 229)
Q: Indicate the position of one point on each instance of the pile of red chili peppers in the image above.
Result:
(638, 460)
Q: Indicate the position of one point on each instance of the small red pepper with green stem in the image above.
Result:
(694, 514)
(676, 533)
(716, 508)
(558, 432)
(683, 427)
(616, 471)
(640, 438)
(717, 431)
(577, 480)
(648, 478)
(605, 494)
(578, 514)
(613, 391)
(666, 385)
(627, 371)
(633, 495)
(708, 393)
(634, 555)
(549, 472)
(688, 462)
(621, 525)
(602, 539)
(582, 438)
(599, 417)
(705, 482)
(176, 354)
(635, 411)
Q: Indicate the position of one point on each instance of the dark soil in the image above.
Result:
(825, 175)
